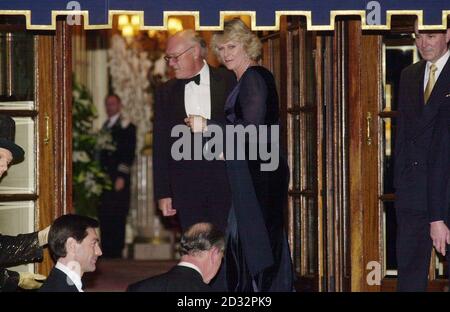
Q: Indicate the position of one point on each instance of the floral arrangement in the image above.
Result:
(89, 178)
(137, 67)
(135, 71)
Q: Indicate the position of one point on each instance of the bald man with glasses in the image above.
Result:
(194, 190)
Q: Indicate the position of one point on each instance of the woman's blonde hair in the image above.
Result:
(236, 30)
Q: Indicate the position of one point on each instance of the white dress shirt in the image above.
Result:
(73, 277)
(197, 98)
(112, 120)
(440, 66)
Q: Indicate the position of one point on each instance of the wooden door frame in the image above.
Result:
(365, 95)
(333, 264)
(53, 85)
(53, 124)
(365, 83)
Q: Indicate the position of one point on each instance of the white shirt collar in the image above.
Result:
(112, 120)
(440, 63)
(72, 275)
(190, 265)
(197, 98)
(204, 75)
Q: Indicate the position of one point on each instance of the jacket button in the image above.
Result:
(415, 163)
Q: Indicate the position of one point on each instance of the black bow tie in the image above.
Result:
(195, 79)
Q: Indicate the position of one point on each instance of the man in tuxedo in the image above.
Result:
(195, 190)
(421, 204)
(201, 247)
(117, 161)
(75, 247)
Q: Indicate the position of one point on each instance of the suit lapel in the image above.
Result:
(117, 125)
(442, 85)
(428, 111)
(418, 85)
(217, 94)
(177, 102)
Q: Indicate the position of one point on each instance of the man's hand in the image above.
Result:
(28, 280)
(165, 205)
(119, 184)
(440, 235)
(196, 123)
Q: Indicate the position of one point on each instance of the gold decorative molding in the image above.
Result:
(223, 14)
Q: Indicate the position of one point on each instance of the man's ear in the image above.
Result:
(216, 254)
(71, 245)
(447, 36)
(197, 51)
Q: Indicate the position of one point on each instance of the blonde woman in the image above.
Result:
(257, 256)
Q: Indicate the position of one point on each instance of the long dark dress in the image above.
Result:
(257, 256)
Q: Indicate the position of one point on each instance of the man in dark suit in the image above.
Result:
(201, 248)
(195, 190)
(75, 247)
(115, 203)
(422, 220)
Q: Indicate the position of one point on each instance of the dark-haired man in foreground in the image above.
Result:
(74, 246)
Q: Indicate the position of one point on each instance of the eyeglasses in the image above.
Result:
(175, 58)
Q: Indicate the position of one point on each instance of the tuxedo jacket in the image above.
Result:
(58, 281)
(178, 279)
(188, 182)
(421, 152)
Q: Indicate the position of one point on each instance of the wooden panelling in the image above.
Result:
(320, 164)
(364, 96)
(63, 120)
(336, 162)
(45, 153)
(54, 133)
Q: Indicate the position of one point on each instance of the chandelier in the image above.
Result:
(129, 26)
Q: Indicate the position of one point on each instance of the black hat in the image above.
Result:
(7, 135)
